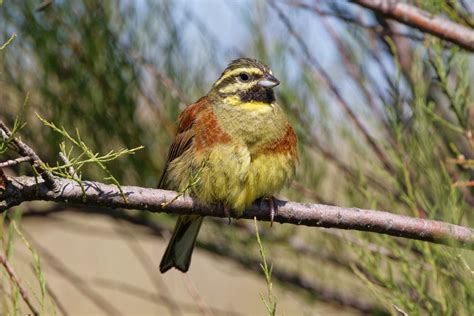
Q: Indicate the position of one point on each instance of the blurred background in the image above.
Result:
(383, 114)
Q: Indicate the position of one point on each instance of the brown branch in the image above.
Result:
(25, 150)
(13, 276)
(347, 18)
(21, 189)
(422, 20)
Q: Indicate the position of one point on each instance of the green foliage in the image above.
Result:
(270, 301)
(86, 156)
(18, 124)
(12, 37)
(71, 162)
(96, 77)
(12, 304)
(36, 266)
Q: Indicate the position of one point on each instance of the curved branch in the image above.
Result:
(422, 20)
(21, 189)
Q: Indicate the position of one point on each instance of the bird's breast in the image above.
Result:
(255, 125)
(231, 175)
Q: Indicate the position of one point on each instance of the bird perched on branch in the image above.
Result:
(233, 146)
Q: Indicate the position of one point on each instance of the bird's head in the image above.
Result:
(245, 82)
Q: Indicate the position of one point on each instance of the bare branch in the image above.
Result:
(350, 19)
(66, 162)
(13, 276)
(14, 162)
(422, 20)
(21, 189)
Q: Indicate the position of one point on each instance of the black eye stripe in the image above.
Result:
(231, 80)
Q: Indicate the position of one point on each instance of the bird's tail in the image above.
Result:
(180, 248)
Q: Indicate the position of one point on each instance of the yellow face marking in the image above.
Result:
(233, 100)
(248, 106)
(249, 70)
(256, 106)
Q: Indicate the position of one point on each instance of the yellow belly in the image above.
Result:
(228, 174)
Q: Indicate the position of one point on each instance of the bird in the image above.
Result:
(233, 146)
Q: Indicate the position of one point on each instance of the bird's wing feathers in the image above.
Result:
(184, 136)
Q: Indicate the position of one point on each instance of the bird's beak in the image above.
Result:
(268, 81)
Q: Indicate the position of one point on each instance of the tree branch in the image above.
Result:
(21, 189)
(14, 162)
(422, 20)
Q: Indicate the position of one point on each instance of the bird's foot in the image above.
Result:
(226, 211)
(271, 204)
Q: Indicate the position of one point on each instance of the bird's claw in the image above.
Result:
(271, 204)
(227, 213)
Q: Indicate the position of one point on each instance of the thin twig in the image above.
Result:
(14, 162)
(374, 28)
(56, 299)
(43, 5)
(13, 276)
(25, 150)
(459, 184)
(66, 162)
(270, 302)
(192, 290)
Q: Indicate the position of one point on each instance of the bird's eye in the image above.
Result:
(244, 77)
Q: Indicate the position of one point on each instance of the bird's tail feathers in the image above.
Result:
(180, 248)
